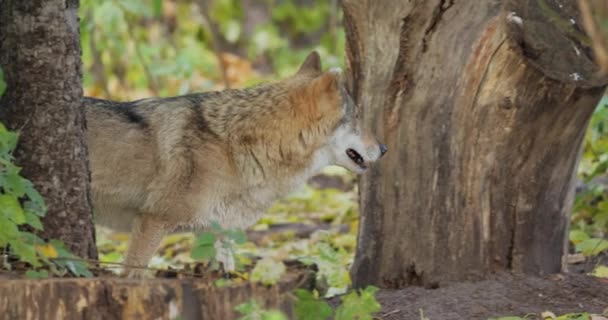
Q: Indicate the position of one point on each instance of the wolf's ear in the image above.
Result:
(312, 63)
(328, 81)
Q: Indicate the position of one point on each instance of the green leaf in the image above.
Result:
(14, 183)
(10, 208)
(358, 305)
(273, 315)
(77, 267)
(247, 307)
(36, 201)
(592, 247)
(203, 252)
(238, 236)
(8, 231)
(8, 141)
(25, 251)
(575, 316)
(221, 282)
(267, 271)
(251, 310)
(309, 307)
(600, 272)
(33, 274)
(205, 239)
(577, 236)
(33, 220)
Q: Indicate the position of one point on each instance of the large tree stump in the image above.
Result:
(116, 298)
(484, 105)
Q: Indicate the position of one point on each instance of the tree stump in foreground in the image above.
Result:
(117, 298)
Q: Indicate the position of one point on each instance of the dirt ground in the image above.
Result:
(502, 295)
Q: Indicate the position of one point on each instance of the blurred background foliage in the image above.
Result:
(141, 48)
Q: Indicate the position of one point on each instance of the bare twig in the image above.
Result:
(391, 313)
(599, 40)
(204, 9)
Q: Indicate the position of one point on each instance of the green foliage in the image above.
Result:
(600, 272)
(251, 310)
(309, 307)
(139, 48)
(587, 245)
(358, 305)
(22, 206)
(590, 213)
(204, 246)
(267, 271)
(332, 264)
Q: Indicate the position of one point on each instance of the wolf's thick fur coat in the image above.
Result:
(163, 164)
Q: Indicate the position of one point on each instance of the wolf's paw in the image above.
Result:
(225, 256)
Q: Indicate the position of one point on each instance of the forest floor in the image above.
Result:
(326, 214)
(501, 295)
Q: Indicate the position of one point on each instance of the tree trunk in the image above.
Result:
(484, 106)
(40, 56)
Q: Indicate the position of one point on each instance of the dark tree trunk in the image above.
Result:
(484, 105)
(40, 56)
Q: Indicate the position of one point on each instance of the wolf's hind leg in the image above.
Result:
(146, 235)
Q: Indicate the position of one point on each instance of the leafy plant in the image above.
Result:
(600, 272)
(267, 271)
(361, 305)
(308, 306)
(22, 206)
(332, 264)
(205, 244)
(251, 310)
(590, 214)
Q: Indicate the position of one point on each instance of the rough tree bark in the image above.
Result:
(484, 106)
(40, 56)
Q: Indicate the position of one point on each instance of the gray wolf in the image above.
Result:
(165, 164)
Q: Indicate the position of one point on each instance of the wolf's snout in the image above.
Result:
(383, 149)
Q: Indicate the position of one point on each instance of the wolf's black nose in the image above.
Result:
(383, 149)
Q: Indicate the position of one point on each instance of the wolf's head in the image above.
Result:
(350, 145)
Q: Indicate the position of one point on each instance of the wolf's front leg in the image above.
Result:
(146, 235)
(225, 255)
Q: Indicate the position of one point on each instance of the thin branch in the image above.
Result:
(598, 39)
